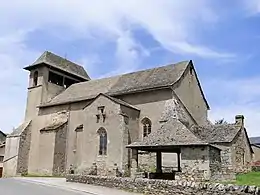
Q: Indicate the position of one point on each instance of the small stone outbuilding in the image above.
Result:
(255, 144)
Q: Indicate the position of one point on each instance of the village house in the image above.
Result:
(255, 144)
(122, 125)
(2, 151)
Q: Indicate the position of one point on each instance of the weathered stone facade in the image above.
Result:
(23, 153)
(163, 187)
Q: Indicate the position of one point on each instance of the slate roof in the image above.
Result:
(255, 140)
(20, 129)
(53, 126)
(56, 121)
(60, 63)
(171, 133)
(160, 77)
(216, 133)
(118, 101)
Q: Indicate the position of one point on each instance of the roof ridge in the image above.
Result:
(61, 63)
(147, 79)
(139, 71)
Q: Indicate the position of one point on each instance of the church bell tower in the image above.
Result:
(49, 76)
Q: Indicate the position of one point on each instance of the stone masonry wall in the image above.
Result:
(194, 163)
(24, 149)
(164, 187)
(59, 162)
(241, 154)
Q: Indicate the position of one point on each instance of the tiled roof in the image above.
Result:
(216, 133)
(53, 126)
(60, 63)
(118, 101)
(20, 129)
(164, 76)
(171, 133)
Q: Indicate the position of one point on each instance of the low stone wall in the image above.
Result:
(164, 187)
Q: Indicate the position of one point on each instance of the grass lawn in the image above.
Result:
(252, 179)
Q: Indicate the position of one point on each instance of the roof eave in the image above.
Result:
(110, 94)
(41, 63)
(202, 93)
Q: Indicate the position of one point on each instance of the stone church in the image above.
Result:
(128, 123)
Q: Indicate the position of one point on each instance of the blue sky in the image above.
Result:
(113, 37)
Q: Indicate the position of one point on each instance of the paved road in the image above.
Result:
(52, 186)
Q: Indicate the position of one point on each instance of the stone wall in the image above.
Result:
(241, 154)
(24, 149)
(166, 187)
(195, 163)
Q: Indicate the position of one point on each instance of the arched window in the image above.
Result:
(102, 141)
(147, 126)
(35, 78)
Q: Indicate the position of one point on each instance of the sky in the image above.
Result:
(110, 37)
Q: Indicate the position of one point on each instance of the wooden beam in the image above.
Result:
(179, 161)
(158, 162)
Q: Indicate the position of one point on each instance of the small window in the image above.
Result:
(147, 127)
(1, 158)
(101, 109)
(102, 141)
(35, 78)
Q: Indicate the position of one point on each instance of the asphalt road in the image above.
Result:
(52, 186)
(16, 187)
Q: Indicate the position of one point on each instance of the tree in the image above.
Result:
(220, 122)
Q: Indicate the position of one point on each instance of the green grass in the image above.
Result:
(250, 179)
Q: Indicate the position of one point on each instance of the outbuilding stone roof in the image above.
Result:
(171, 133)
(160, 77)
(60, 63)
(216, 133)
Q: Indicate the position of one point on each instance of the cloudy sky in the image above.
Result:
(110, 37)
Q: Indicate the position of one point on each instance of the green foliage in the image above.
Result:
(152, 169)
(252, 178)
(221, 121)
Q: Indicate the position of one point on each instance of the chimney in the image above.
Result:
(240, 120)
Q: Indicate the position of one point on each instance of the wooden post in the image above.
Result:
(158, 162)
(179, 161)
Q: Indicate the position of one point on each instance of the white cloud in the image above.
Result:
(13, 81)
(172, 23)
(235, 96)
(251, 6)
